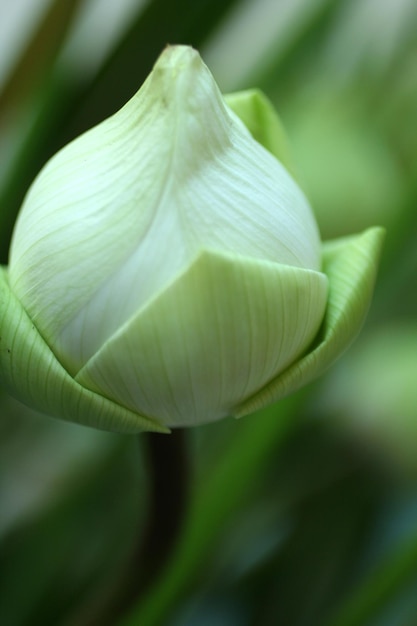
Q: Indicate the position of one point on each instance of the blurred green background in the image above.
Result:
(306, 513)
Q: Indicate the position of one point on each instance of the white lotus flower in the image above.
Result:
(169, 261)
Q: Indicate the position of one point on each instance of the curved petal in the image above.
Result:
(263, 122)
(351, 266)
(30, 372)
(121, 211)
(220, 331)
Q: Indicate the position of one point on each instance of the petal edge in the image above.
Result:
(351, 265)
(30, 372)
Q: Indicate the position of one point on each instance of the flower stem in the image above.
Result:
(167, 473)
(167, 461)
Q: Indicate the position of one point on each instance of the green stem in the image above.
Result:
(167, 460)
(167, 473)
(211, 507)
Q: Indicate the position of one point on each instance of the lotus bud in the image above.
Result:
(166, 269)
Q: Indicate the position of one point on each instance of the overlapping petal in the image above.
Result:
(263, 122)
(121, 211)
(166, 269)
(213, 337)
(351, 266)
(31, 373)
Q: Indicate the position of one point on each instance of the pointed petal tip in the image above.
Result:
(176, 63)
(177, 54)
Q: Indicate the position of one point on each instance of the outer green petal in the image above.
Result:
(30, 372)
(351, 266)
(261, 119)
(221, 330)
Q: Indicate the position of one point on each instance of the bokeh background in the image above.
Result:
(306, 513)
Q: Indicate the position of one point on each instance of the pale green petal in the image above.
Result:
(214, 336)
(263, 122)
(30, 372)
(351, 266)
(121, 211)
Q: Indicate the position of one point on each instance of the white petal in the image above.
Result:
(120, 212)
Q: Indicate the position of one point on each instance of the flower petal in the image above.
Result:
(123, 210)
(263, 122)
(218, 333)
(30, 372)
(351, 266)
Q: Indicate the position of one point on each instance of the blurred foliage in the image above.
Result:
(306, 513)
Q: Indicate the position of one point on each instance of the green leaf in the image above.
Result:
(30, 372)
(351, 266)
